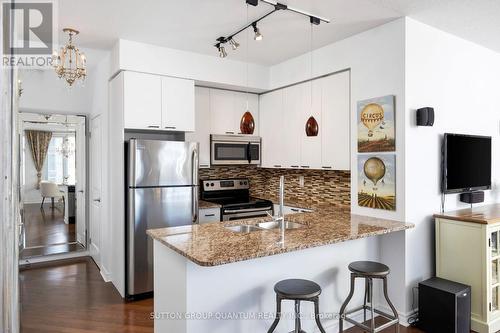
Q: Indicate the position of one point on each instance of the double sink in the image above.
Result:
(269, 225)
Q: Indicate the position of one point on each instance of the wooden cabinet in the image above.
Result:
(201, 132)
(177, 104)
(156, 102)
(468, 253)
(142, 100)
(335, 122)
(271, 129)
(283, 120)
(208, 215)
(227, 108)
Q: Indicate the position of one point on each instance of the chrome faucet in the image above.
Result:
(281, 215)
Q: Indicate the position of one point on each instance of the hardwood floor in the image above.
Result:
(44, 228)
(71, 297)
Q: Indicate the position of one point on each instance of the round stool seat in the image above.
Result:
(369, 268)
(297, 289)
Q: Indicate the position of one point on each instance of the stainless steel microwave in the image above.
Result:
(235, 149)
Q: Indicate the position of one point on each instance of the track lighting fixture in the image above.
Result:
(258, 35)
(234, 44)
(221, 41)
(222, 50)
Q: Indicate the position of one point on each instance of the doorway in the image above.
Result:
(53, 184)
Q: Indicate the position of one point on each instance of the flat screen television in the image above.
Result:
(466, 163)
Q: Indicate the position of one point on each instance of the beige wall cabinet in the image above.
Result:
(469, 253)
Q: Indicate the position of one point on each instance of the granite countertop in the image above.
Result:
(202, 204)
(211, 244)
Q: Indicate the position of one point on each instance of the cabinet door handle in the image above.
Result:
(170, 127)
(209, 215)
(204, 166)
(229, 132)
(326, 167)
(294, 166)
(153, 126)
(294, 209)
(305, 166)
(277, 166)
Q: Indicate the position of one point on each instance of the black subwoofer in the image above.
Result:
(444, 306)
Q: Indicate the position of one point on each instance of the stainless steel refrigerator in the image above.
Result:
(162, 192)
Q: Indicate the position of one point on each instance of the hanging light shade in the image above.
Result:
(247, 123)
(312, 127)
(69, 63)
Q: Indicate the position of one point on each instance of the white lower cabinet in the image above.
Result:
(469, 253)
(283, 117)
(291, 210)
(201, 132)
(208, 215)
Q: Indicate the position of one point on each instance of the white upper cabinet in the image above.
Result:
(202, 125)
(271, 129)
(283, 117)
(142, 101)
(227, 108)
(158, 102)
(336, 120)
(177, 104)
(294, 101)
(310, 146)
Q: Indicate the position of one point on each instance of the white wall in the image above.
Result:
(461, 81)
(218, 72)
(376, 60)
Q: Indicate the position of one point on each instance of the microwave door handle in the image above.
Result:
(249, 154)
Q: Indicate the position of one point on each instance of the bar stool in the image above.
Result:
(297, 290)
(368, 270)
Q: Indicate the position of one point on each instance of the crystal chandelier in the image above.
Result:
(67, 148)
(69, 63)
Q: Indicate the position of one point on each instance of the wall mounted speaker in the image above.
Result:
(425, 116)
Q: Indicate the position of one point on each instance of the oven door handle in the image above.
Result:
(233, 211)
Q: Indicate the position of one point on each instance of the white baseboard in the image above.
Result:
(106, 276)
(403, 316)
(53, 257)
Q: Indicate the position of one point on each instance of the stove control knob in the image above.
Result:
(212, 184)
(245, 183)
(241, 183)
(207, 184)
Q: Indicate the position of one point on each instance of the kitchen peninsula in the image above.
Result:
(206, 276)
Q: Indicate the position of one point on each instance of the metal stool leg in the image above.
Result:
(342, 309)
(278, 315)
(390, 304)
(316, 315)
(297, 317)
(370, 295)
(365, 300)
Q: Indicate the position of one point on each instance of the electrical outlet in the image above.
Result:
(301, 181)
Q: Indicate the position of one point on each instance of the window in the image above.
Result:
(59, 164)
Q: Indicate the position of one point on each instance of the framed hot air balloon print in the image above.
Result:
(376, 125)
(377, 181)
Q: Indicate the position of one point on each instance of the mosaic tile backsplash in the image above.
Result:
(320, 187)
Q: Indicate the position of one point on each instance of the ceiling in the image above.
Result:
(193, 25)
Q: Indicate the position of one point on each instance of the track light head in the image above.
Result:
(258, 36)
(234, 44)
(222, 50)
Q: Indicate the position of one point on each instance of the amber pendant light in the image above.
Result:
(247, 123)
(312, 127)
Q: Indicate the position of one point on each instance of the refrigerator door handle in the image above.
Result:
(194, 165)
(132, 146)
(194, 209)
